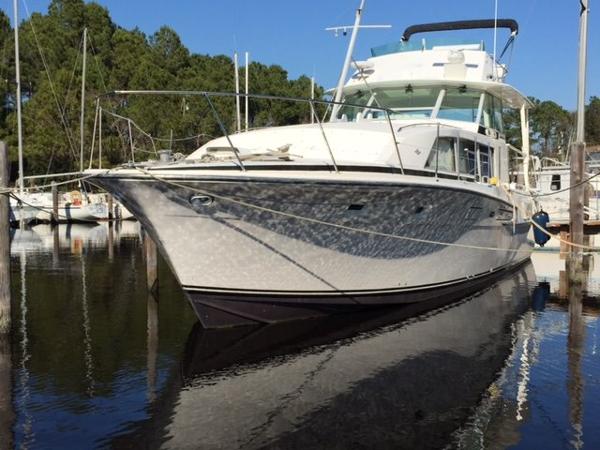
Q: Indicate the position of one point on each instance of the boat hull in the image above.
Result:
(75, 213)
(268, 251)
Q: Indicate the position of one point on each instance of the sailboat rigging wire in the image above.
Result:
(45, 186)
(61, 110)
(72, 77)
(95, 55)
(149, 136)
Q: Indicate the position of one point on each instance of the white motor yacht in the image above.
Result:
(403, 195)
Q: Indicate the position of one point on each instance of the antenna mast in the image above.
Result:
(349, 52)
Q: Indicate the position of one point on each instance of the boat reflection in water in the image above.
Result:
(390, 380)
(72, 236)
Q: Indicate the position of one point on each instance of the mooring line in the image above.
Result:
(564, 241)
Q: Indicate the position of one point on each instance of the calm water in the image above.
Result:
(98, 363)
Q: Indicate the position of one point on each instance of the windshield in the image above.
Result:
(417, 102)
(404, 103)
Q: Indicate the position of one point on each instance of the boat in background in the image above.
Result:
(20, 212)
(72, 207)
(552, 180)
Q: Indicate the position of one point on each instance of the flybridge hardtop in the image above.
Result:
(436, 62)
(461, 25)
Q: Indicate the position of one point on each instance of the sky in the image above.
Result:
(292, 33)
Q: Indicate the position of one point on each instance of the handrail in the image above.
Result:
(208, 94)
(312, 109)
(224, 131)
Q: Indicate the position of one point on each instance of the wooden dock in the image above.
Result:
(590, 227)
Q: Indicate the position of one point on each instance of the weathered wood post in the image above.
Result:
(54, 218)
(111, 211)
(111, 242)
(577, 193)
(6, 411)
(55, 245)
(4, 244)
(152, 346)
(151, 257)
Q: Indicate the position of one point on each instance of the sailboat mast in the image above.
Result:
(581, 76)
(82, 116)
(246, 82)
(577, 201)
(238, 117)
(348, 60)
(18, 95)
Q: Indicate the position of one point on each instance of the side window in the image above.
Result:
(491, 116)
(442, 155)
(466, 157)
(555, 183)
(486, 161)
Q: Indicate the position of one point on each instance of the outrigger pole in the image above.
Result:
(349, 52)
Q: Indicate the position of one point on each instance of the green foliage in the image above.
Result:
(120, 59)
(550, 127)
(592, 122)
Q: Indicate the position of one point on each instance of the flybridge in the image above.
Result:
(405, 45)
(429, 44)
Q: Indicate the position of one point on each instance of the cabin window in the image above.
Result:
(555, 183)
(491, 116)
(442, 156)
(350, 113)
(460, 104)
(486, 161)
(407, 102)
(466, 157)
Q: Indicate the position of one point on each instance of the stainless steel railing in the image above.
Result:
(207, 95)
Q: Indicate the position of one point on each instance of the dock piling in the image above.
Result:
(151, 257)
(4, 244)
(55, 245)
(6, 411)
(54, 218)
(111, 211)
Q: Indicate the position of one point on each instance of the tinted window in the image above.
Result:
(442, 155)
(466, 157)
(486, 161)
(460, 104)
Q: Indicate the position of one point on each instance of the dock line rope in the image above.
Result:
(568, 188)
(60, 183)
(330, 224)
(564, 241)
